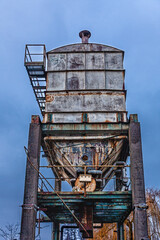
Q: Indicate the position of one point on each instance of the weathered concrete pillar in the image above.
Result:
(56, 226)
(137, 180)
(120, 231)
(29, 207)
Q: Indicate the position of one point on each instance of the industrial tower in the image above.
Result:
(86, 137)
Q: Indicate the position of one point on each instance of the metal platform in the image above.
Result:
(35, 63)
(108, 207)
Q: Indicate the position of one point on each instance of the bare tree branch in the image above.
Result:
(10, 232)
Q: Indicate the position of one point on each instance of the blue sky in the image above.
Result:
(133, 26)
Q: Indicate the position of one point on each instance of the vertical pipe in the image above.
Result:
(119, 176)
(120, 231)
(29, 210)
(58, 185)
(86, 218)
(56, 226)
(118, 173)
(85, 35)
(130, 232)
(55, 231)
(137, 180)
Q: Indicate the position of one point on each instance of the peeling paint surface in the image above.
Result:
(77, 102)
(90, 117)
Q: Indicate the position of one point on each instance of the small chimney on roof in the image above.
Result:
(85, 35)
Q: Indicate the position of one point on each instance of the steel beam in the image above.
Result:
(86, 218)
(122, 128)
(55, 231)
(137, 180)
(56, 226)
(29, 207)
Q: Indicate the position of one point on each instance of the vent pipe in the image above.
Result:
(85, 35)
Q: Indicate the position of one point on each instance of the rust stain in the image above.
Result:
(96, 159)
(82, 117)
(49, 98)
(107, 121)
(76, 62)
(84, 93)
(52, 118)
(35, 119)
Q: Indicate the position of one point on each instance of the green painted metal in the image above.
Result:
(107, 206)
(51, 127)
(133, 118)
(49, 117)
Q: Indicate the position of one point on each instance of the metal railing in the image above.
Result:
(35, 53)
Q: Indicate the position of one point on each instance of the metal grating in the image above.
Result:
(107, 207)
(35, 63)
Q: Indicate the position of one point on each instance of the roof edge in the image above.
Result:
(85, 47)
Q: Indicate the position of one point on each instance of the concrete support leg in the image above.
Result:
(120, 231)
(137, 180)
(56, 226)
(29, 211)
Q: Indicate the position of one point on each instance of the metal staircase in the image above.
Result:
(35, 63)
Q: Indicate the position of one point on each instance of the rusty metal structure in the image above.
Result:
(86, 137)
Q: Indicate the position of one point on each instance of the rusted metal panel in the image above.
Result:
(79, 117)
(85, 48)
(81, 61)
(85, 155)
(114, 80)
(56, 62)
(95, 80)
(75, 61)
(56, 81)
(95, 61)
(75, 80)
(62, 118)
(105, 117)
(85, 68)
(85, 101)
(114, 60)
